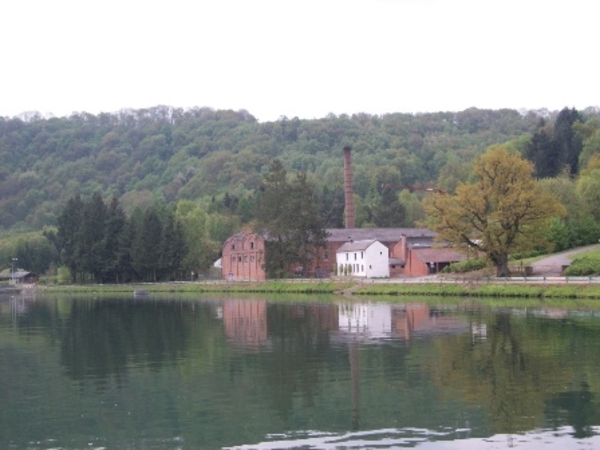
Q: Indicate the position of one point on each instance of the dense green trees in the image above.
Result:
(288, 214)
(171, 154)
(554, 148)
(162, 157)
(502, 211)
(97, 242)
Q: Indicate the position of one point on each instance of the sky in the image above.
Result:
(292, 58)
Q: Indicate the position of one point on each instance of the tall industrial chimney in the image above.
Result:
(350, 216)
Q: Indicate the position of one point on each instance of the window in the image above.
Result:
(232, 246)
(355, 257)
(362, 268)
(346, 256)
(251, 245)
(239, 259)
(252, 258)
(326, 255)
(233, 259)
(381, 253)
(370, 266)
(246, 258)
(362, 256)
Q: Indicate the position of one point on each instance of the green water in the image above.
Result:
(212, 373)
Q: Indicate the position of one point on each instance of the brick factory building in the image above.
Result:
(410, 252)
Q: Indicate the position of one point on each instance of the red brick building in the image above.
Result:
(397, 240)
(243, 257)
(410, 252)
(425, 261)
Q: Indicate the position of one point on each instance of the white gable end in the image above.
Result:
(368, 259)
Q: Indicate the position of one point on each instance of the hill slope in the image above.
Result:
(168, 154)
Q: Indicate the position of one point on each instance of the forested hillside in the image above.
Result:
(202, 170)
(168, 154)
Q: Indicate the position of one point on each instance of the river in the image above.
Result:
(254, 373)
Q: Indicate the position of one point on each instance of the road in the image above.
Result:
(552, 265)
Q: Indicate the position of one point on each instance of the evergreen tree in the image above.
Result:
(124, 266)
(553, 148)
(273, 219)
(307, 234)
(173, 248)
(150, 242)
(288, 215)
(566, 141)
(331, 204)
(92, 232)
(388, 211)
(68, 235)
(115, 227)
(541, 151)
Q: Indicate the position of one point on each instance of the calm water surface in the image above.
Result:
(214, 373)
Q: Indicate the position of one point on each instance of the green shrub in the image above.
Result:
(63, 275)
(584, 265)
(468, 265)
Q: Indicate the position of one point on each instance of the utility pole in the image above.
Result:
(12, 274)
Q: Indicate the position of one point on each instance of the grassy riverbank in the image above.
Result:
(494, 290)
(491, 290)
(278, 287)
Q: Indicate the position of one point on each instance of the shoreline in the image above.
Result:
(518, 288)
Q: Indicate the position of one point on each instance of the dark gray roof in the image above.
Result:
(356, 246)
(420, 242)
(378, 234)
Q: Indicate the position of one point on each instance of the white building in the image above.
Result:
(368, 258)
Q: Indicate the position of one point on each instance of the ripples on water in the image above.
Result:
(426, 440)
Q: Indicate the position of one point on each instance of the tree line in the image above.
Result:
(171, 154)
(216, 188)
(96, 241)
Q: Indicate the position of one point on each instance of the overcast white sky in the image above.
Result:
(298, 58)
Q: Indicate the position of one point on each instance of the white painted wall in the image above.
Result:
(372, 262)
(378, 261)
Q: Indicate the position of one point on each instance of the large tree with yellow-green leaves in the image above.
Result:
(502, 211)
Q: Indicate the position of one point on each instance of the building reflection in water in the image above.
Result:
(379, 321)
(245, 322)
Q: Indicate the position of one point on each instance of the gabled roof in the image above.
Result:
(378, 234)
(22, 274)
(356, 246)
(240, 236)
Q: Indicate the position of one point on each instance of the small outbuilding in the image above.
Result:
(24, 277)
(366, 258)
(426, 261)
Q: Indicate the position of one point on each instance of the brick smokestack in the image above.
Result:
(350, 216)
